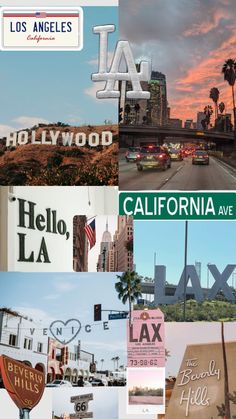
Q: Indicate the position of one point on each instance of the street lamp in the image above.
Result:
(185, 267)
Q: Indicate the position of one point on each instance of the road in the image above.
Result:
(182, 176)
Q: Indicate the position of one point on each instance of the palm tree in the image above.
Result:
(214, 95)
(128, 288)
(114, 360)
(127, 112)
(221, 107)
(226, 379)
(117, 361)
(208, 111)
(137, 109)
(102, 360)
(229, 71)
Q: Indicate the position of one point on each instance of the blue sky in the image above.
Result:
(49, 296)
(56, 86)
(208, 242)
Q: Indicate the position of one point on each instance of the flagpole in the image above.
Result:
(91, 218)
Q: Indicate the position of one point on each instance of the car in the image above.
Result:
(132, 153)
(200, 157)
(97, 382)
(154, 157)
(59, 383)
(175, 154)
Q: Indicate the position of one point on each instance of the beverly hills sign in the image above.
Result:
(220, 284)
(24, 384)
(199, 386)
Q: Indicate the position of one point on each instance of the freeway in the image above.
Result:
(181, 176)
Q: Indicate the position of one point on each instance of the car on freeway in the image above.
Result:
(59, 383)
(200, 157)
(175, 154)
(132, 153)
(153, 157)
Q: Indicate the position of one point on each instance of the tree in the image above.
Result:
(208, 111)
(221, 107)
(137, 109)
(229, 71)
(214, 95)
(114, 360)
(127, 112)
(128, 288)
(117, 358)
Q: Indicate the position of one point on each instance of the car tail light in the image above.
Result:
(138, 156)
(161, 156)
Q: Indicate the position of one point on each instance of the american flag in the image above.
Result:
(90, 231)
(41, 14)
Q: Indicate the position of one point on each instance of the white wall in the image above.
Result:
(21, 328)
(68, 202)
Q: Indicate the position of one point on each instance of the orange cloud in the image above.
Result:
(190, 93)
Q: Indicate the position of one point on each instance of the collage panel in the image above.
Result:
(181, 135)
(57, 133)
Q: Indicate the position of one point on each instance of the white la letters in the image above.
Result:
(112, 76)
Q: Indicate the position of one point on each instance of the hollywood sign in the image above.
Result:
(220, 284)
(51, 137)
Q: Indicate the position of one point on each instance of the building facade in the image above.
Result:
(67, 362)
(123, 244)
(80, 244)
(23, 339)
(152, 111)
(105, 257)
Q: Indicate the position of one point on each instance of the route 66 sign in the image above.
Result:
(81, 406)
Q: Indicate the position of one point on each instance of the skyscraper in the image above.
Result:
(152, 111)
(105, 246)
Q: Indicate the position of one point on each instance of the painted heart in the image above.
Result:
(65, 332)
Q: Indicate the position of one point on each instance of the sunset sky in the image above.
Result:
(186, 40)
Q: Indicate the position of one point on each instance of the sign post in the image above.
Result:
(81, 406)
(25, 385)
(24, 414)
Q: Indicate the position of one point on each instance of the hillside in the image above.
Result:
(41, 164)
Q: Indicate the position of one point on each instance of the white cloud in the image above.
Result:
(35, 314)
(63, 286)
(51, 297)
(92, 91)
(29, 121)
(5, 130)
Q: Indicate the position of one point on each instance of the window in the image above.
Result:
(40, 347)
(12, 340)
(28, 343)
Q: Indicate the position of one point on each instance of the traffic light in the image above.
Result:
(97, 312)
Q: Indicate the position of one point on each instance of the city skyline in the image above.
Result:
(166, 238)
(71, 98)
(189, 43)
